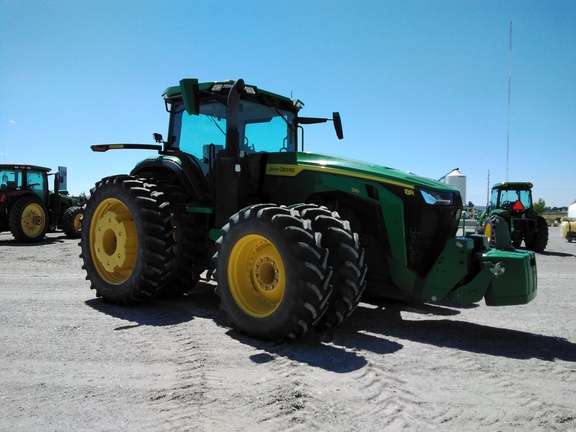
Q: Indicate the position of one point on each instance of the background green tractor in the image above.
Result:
(510, 218)
(28, 209)
(293, 239)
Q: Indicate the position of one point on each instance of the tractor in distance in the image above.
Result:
(28, 209)
(293, 239)
(510, 218)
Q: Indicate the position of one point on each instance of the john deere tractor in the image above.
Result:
(510, 218)
(29, 210)
(293, 239)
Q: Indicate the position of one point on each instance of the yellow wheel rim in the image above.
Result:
(256, 276)
(113, 240)
(77, 222)
(33, 220)
(488, 231)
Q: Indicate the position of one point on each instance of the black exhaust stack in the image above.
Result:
(229, 169)
(232, 134)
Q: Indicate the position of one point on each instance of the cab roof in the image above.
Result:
(513, 185)
(23, 166)
(223, 88)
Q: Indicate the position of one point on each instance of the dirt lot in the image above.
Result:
(70, 362)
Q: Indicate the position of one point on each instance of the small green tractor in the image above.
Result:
(510, 218)
(293, 239)
(28, 209)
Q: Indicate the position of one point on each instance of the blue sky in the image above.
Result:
(422, 86)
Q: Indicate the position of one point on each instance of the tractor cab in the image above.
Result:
(513, 197)
(240, 119)
(18, 179)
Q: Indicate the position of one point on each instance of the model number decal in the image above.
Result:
(409, 192)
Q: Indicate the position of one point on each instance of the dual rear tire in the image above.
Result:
(127, 240)
(283, 271)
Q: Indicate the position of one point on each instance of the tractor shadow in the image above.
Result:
(46, 241)
(320, 349)
(387, 320)
(375, 327)
(165, 311)
(556, 254)
(380, 329)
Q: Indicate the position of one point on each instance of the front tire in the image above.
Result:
(497, 231)
(127, 240)
(28, 219)
(272, 273)
(72, 221)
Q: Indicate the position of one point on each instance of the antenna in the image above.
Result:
(509, 86)
(488, 190)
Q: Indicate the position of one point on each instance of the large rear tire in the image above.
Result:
(28, 219)
(187, 273)
(127, 240)
(537, 240)
(272, 273)
(346, 259)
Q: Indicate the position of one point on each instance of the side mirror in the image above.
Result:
(337, 125)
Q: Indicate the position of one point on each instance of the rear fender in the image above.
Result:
(188, 174)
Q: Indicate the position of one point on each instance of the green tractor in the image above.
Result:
(29, 210)
(510, 218)
(293, 239)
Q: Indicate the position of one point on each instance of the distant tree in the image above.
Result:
(82, 198)
(540, 205)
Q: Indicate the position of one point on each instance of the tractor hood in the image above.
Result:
(291, 164)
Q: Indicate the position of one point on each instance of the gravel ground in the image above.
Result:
(70, 362)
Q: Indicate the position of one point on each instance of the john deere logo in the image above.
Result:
(288, 170)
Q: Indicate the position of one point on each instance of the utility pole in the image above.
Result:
(509, 91)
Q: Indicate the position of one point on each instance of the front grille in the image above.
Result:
(427, 229)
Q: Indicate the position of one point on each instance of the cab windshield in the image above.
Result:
(262, 129)
(515, 200)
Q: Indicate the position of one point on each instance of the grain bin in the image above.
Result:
(458, 180)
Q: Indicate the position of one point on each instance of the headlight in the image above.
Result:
(437, 198)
